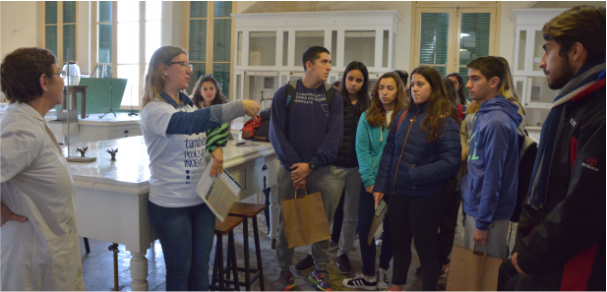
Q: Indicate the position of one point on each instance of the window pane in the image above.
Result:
(199, 70)
(153, 10)
(221, 73)
(384, 62)
(434, 38)
(152, 38)
(441, 70)
(464, 72)
(474, 36)
(538, 50)
(131, 92)
(105, 11)
(69, 11)
(522, 43)
(198, 39)
(360, 46)
(222, 43)
(198, 9)
(104, 55)
(50, 12)
(128, 11)
(106, 71)
(262, 48)
(540, 92)
(69, 41)
(285, 48)
(128, 43)
(306, 39)
(50, 38)
(333, 45)
(223, 8)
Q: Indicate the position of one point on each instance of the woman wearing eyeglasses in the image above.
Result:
(39, 247)
(174, 132)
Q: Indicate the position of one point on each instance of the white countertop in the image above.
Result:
(108, 120)
(131, 168)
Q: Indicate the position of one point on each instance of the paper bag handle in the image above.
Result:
(305, 190)
(474, 249)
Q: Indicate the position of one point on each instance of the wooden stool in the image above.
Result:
(74, 89)
(227, 227)
(246, 211)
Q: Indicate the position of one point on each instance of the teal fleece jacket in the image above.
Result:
(370, 142)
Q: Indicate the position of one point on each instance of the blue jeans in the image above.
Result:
(366, 211)
(186, 237)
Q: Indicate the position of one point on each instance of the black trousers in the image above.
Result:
(448, 222)
(338, 218)
(510, 280)
(415, 217)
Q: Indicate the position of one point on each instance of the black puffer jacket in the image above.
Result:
(346, 155)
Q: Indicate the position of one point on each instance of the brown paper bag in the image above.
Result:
(472, 271)
(305, 220)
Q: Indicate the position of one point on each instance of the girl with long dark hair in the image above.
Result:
(422, 151)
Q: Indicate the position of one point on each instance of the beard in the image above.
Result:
(562, 76)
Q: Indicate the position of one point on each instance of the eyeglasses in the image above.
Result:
(61, 73)
(184, 64)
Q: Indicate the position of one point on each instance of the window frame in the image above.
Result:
(59, 24)
(210, 19)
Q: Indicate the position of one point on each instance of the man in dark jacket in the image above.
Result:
(489, 189)
(560, 242)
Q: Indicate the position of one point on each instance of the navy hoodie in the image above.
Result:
(489, 190)
(310, 131)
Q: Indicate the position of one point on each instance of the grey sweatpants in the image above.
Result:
(496, 238)
(320, 180)
(348, 177)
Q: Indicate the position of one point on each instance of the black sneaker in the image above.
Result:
(360, 282)
(418, 272)
(287, 281)
(343, 263)
(305, 264)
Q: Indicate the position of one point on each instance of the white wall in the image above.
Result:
(19, 25)
(403, 32)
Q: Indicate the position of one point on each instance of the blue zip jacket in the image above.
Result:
(489, 190)
(370, 142)
(424, 167)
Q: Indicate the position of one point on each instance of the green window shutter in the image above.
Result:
(105, 11)
(69, 11)
(69, 41)
(104, 54)
(50, 38)
(198, 39)
(197, 71)
(50, 12)
(223, 8)
(464, 72)
(198, 9)
(221, 73)
(475, 36)
(434, 38)
(222, 40)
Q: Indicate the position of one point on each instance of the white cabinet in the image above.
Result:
(528, 77)
(270, 46)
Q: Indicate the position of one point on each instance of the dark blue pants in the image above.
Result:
(366, 211)
(186, 237)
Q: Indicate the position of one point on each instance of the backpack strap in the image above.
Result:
(292, 92)
(401, 119)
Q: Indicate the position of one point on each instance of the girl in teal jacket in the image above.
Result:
(387, 99)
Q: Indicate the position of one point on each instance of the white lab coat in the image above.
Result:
(42, 253)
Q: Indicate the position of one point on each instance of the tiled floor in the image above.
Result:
(99, 274)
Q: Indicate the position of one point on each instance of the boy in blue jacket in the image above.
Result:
(490, 188)
(306, 137)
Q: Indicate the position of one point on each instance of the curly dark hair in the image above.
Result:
(20, 73)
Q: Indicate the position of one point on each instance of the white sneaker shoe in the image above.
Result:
(360, 282)
(382, 279)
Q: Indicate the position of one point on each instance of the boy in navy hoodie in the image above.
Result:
(489, 190)
(306, 138)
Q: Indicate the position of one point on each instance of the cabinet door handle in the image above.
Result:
(264, 167)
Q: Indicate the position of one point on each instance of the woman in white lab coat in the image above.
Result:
(41, 252)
